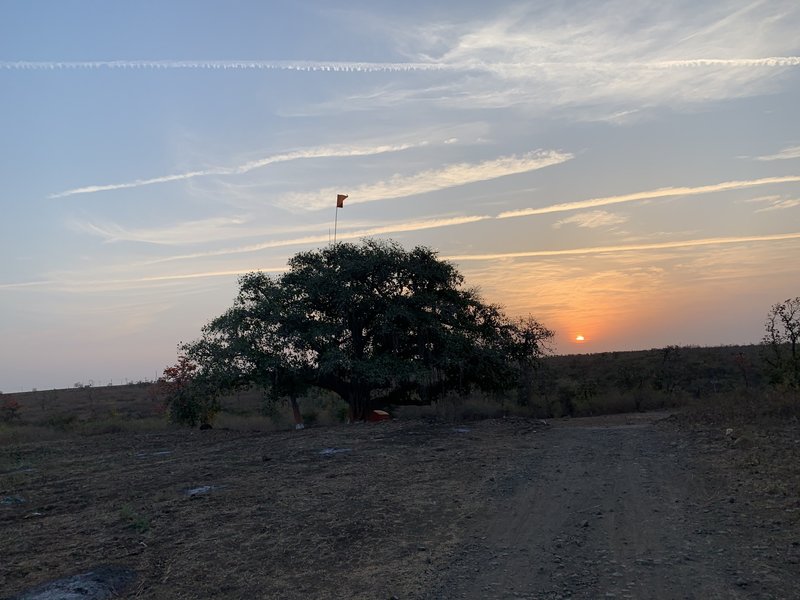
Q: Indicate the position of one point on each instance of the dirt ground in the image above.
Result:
(638, 506)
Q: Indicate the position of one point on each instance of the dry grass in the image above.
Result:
(281, 519)
(758, 408)
(22, 434)
(752, 439)
(247, 423)
(133, 401)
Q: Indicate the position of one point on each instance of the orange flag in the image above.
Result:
(340, 200)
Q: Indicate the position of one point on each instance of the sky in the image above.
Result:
(624, 171)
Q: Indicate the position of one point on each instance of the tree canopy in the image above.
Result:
(782, 338)
(375, 323)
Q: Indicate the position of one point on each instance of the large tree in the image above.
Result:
(372, 322)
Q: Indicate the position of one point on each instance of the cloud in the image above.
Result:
(589, 219)
(554, 56)
(781, 205)
(70, 283)
(629, 247)
(546, 56)
(189, 232)
(669, 192)
(592, 220)
(401, 186)
(318, 152)
(25, 284)
(325, 238)
(785, 154)
(774, 202)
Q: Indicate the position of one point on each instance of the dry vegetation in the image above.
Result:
(754, 441)
(367, 510)
(97, 475)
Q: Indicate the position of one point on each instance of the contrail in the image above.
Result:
(321, 152)
(387, 67)
(649, 195)
(770, 61)
(629, 248)
(216, 65)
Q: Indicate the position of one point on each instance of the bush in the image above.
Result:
(9, 410)
(62, 421)
(189, 398)
(310, 417)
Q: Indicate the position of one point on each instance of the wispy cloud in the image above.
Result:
(554, 57)
(319, 152)
(77, 284)
(352, 234)
(401, 186)
(589, 219)
(785, 154)
(775, 203)
(592, 220)
(629, 247)
(25, 284)
(669, 192)
(70, 282)
(189, 232)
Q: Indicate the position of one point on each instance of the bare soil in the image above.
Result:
(618, 507)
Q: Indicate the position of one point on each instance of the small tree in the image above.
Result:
(372, 322)
(9, 410)
(190, 398)
(782, 342)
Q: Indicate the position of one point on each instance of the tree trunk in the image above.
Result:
(360, 404)
(298, 418)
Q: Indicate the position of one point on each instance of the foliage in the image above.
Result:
(592, 384)
(191, 398)
(134, 520)
(781, 342)
(372, 322)
(9, 410)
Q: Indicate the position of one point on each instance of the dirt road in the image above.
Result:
(620, 508)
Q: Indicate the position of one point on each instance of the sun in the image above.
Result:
(579, 338)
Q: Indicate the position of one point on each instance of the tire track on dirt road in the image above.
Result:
(604, 511)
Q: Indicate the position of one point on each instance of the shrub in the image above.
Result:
(310, 417)
(133, 520)
(62, 421)
(9, 410)
(189, 398)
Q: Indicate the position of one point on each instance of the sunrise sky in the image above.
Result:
(624, 171)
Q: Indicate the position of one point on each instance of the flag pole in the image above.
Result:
(340, 198)
(335, 223)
